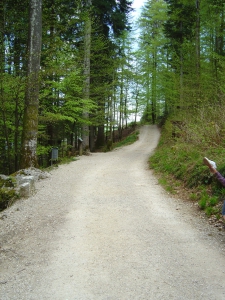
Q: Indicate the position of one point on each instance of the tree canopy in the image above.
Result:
(97, 74)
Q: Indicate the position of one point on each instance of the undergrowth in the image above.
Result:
(180, 159)
(7, 193)
(130, 139)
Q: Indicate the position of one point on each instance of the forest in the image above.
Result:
(84, 71)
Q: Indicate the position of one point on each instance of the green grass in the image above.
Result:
(130, 139)
(193, 196)
(66, 160)
(167, 185)
(182, 161)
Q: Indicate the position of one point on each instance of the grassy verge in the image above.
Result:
(179, 166)
(130, 139)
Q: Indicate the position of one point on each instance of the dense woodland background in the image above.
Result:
(73, 70)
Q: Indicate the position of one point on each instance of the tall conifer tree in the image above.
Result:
(30, 123)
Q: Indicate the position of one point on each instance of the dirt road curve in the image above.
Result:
(101, 228)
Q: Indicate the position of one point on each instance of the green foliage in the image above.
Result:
(208, 203)
(11, 108)
(152, 56)
(6, 197)
(163, 78)
(7, 193)
(213, 201)
(209, 211)
(212, 211)
(193, 196)
(112, 15)
(179, 161)
(202, 203)
(7, 183)
(179, 156)
(128, 140)
(43, 150)
(66, 160)
(167, 185)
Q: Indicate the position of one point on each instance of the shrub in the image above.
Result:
(213, 201)
(179, 154)
(202, 203)
(6, 197)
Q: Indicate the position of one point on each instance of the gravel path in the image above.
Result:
(101, 228)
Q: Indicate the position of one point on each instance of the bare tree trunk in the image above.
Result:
(30, 122)
(136, 103)
(92, 138)
(154, 100)
(86, 91)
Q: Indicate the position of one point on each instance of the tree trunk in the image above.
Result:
(30, 122)
(86, 91)
(100, 142)
(92, 138)
(154, 100)
(7, 157)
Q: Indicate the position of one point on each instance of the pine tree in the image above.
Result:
(30, 123)
(152, 53)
